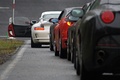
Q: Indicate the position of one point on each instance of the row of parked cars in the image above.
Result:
(88, 36)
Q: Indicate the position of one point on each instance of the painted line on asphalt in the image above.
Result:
(3, 36)
(10, 67)
(4, 7)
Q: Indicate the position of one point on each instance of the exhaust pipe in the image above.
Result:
(100, 55)
(100, 61)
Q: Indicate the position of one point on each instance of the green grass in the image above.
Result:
(7, 48)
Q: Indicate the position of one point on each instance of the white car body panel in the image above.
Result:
(42, 36)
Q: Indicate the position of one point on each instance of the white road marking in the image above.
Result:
(4, 8)
(3, 36)
(11, 66)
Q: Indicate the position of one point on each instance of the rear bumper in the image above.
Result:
(40, 37)
(105, 60)
(41, 40)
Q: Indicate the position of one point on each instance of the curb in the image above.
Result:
(8, 57)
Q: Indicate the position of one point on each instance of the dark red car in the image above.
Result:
(65, 21)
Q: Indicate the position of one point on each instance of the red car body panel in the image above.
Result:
(60, 32)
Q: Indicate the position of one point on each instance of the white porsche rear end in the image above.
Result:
(40, 34)
(40, 31)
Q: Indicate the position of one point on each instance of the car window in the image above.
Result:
(62, 15)
(21, 21)
(46, 17)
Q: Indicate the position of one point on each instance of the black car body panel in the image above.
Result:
(71, 42)
(52, 36)
(20, 27)
(72, 32)
(100, 41)
(22, 31)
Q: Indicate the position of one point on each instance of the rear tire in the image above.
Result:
(56, 52)
(35, 45)
(62, 52)
(51, 47)
(75, 55)
(75, 60)
(72, 56)
(68, 53)
(88, 75)
(68, 49)
(77, 66)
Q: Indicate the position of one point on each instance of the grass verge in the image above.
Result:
(7, 48)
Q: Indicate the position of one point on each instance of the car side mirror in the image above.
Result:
(33, 22)
(72, 18)
(53, 20)
(77, 13)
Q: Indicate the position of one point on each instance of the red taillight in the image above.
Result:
(106, 45)
(11, 31)
(109, 41)
(69, 23)
(38, 28)
(107, 16)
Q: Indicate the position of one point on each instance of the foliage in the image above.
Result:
(7, 48)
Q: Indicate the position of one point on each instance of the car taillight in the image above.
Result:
(109, 41)
(107, 16)
(69, 23)
(38, 28)
(11, 31)
(107, 45)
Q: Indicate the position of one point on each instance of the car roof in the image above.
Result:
(69, 9)
(66, 11)
(51, 12)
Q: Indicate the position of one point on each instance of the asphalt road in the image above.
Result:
(37, 64)
(40, 64)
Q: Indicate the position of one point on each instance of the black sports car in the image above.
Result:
(52, 36)
(71, 41)
(20, 27)
(70, 34)
(99, 39)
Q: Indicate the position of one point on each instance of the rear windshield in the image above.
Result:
(48, 16)
(21, 21)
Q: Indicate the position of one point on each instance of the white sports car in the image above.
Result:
(40, 30)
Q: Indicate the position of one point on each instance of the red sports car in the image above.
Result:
(65, 20)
